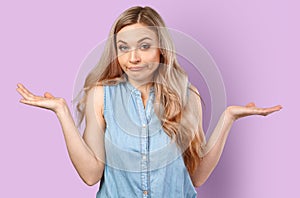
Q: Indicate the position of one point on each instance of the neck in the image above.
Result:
(143, 87)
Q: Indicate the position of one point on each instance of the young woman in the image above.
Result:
(143, 135)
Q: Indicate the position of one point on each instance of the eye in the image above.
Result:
(144, 46)
(123, 48)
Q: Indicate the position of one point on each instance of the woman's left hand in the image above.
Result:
(236, 112)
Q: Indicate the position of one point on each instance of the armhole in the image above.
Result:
(104, 99)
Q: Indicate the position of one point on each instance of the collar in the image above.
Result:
(134, 90)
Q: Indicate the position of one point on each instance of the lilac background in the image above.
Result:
(255, 44)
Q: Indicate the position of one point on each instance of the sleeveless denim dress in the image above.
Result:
(141, 160)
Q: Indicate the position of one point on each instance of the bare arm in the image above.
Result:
(215, 145)
(86, 155)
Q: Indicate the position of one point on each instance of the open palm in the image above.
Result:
(48, 101)
(237, 112)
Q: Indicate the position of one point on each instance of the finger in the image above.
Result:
(26, 95)
(23, 94)
(278, 107)
(25, 90)
(36, 103)
(275, 108)
(251, 104)
(29, 102)
(19, 84)
(267, 111)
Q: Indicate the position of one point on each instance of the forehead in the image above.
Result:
(135, 32)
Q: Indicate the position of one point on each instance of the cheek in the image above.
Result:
(121, 59)
(153, 56)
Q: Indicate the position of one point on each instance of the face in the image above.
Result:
(138, 52)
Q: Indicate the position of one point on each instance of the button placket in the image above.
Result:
(144, 147)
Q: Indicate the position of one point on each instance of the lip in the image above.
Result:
(135, 68)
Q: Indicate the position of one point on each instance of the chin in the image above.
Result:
(140, 79)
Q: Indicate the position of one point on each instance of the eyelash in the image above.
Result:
(121, 48)
(144, 46)
(124, 48)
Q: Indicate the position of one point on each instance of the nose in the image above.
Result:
(134, 57)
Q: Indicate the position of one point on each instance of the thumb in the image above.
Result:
(48, 95)
(251, 104)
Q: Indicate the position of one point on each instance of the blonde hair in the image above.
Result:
(178, 116)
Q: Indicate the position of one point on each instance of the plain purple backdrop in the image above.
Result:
(254, 43)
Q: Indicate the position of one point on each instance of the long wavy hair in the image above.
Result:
(178, 116)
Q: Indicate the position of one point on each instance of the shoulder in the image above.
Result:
(193, 91)
(194, 95)
(95, 98)
(95, 91)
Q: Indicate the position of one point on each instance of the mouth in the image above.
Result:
(135, 68)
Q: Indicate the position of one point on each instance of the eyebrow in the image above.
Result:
(138, 40)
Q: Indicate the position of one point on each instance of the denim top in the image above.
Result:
(141, 159)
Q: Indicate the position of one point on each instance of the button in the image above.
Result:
(144, 157)
(145, 192)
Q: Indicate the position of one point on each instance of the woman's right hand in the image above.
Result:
(48, 101)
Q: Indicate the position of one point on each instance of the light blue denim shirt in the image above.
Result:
(141, 160)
